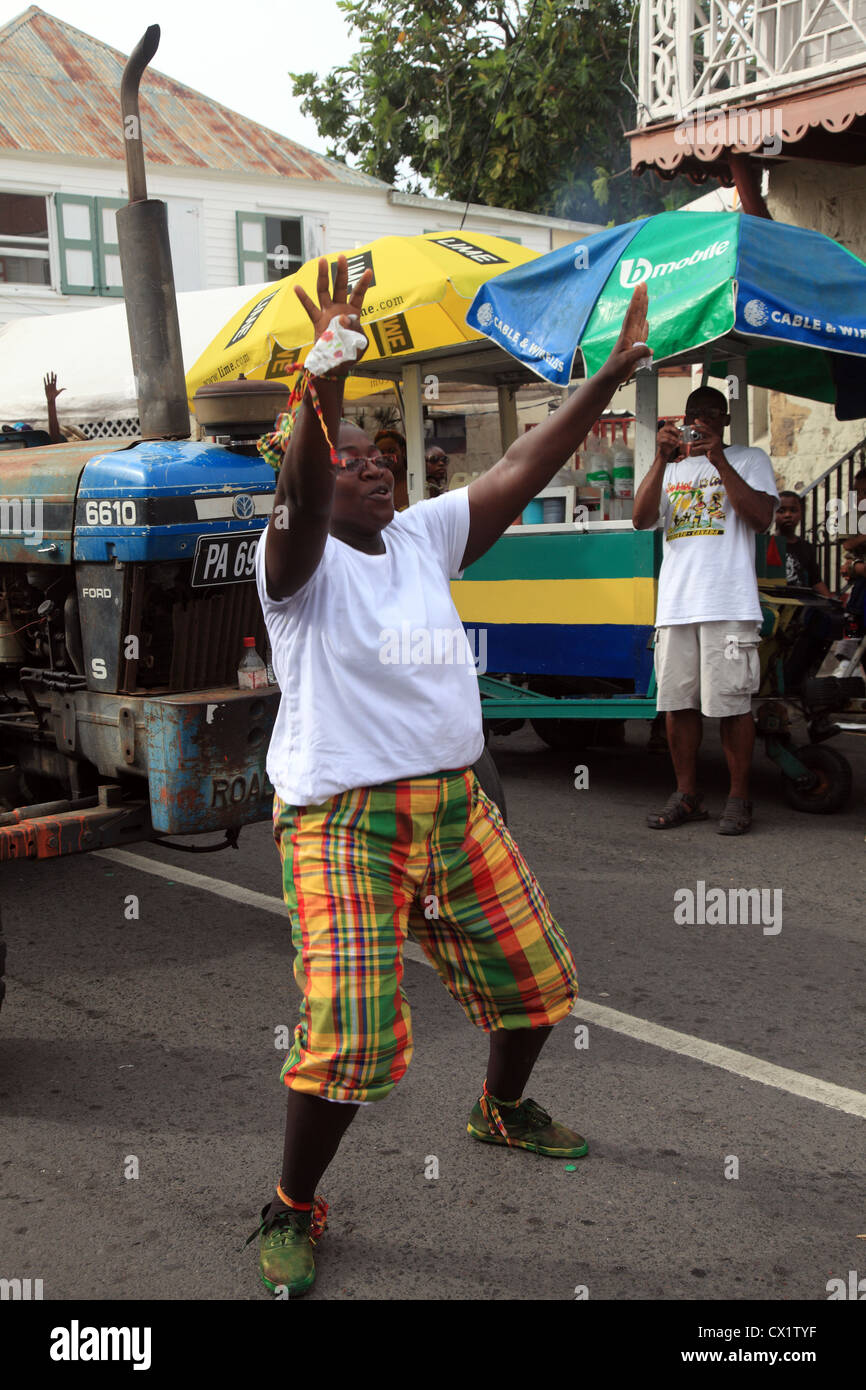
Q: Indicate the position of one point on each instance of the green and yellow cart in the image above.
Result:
(566, 610)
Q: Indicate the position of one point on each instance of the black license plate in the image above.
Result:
(224, 559)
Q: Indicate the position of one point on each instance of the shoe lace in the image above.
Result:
(287, 1223)
(529, 1109)
(536, 1114)
(319, 1219)
(490, 1111)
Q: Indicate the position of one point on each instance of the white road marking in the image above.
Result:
(641, 1029)
(233, 891)
(265, 901)
(797, 1083)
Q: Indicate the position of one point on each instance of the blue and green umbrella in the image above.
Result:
(722, 285)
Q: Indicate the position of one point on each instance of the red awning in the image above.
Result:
(826, 123)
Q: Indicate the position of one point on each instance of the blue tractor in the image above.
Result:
(126, 590)
(125, 595)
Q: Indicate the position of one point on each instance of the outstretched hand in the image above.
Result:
(625, 355)
(341, 306)
(51, 388)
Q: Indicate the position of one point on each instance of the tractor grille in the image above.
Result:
(208, 636)
(191, 638)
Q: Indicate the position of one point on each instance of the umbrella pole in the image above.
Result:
(413, 416)
(705, 367)
(738, 399)
(646, 410)
(507, 398)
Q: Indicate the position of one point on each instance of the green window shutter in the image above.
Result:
(77, 241)
(108, 251)
(252, 248)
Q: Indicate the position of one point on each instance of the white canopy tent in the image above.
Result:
(90, 353)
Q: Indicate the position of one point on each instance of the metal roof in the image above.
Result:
(60, 94)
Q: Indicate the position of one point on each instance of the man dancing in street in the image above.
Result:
(378, 811)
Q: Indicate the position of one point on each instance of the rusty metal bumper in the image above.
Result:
(198, 759)
(93, 824)
(206, 759)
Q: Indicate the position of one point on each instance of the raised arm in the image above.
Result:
(51, 393)
(528, 465)
(648, 497)
(298, 529)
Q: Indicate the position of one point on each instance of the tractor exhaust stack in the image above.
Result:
(148, 278)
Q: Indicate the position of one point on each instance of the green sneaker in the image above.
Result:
(286, 1241)
(523, 1125)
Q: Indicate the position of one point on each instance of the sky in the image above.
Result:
(238, 53)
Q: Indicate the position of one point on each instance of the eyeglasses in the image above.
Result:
(438, 458)
(709, 412)
(353, 462)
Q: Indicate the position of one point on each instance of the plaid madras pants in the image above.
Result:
(430, 857)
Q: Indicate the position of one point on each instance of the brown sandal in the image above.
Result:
(679, 808)
(736, 817)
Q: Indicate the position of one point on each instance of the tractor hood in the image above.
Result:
(154, 501)
(37, 500)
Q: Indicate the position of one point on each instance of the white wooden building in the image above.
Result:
(245, 204)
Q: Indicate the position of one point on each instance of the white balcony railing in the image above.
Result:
(698, 54)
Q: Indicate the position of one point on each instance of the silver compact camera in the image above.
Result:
(689, 435)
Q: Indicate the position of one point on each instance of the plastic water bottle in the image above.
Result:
(252, 673)
(623, 471)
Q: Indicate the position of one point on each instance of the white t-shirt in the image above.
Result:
(708, 557)
(377, 675)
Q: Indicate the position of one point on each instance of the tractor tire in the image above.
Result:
(833, 788)
(488, 775)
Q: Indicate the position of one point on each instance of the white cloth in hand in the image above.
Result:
(336, 346)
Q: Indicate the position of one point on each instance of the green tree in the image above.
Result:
(425, 97)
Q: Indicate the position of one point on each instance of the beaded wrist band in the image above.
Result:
(273, 446)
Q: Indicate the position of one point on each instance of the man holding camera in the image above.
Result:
(710, 498)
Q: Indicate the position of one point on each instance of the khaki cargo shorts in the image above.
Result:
(713, 667)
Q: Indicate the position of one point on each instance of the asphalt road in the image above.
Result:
(153, 1039)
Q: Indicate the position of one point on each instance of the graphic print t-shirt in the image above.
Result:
(801, 563)
(708, 558)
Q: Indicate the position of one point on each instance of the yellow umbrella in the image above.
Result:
(421, 290)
